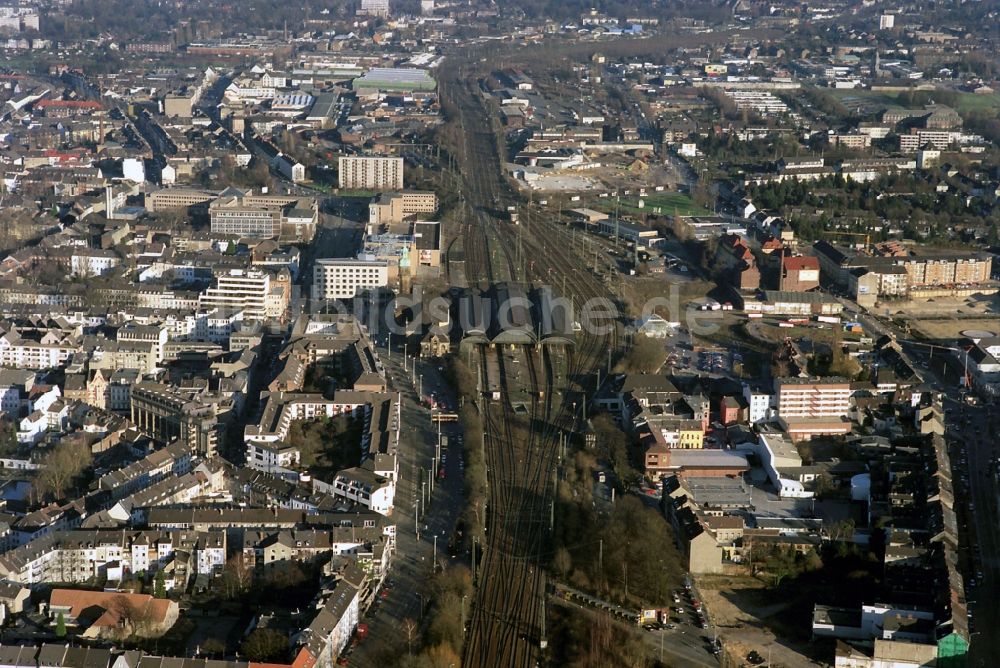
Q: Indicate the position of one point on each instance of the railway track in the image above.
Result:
(506, 623)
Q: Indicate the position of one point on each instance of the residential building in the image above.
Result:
(799, 274)
(366, 488)
(370, 173)
(15, 386)
(239, 290)
(923, 269)
(290, 168)
(330, 631)
(31, 348)
(758, 402)
(81, 554)
(93, 262)
(813, 406)
(173, 460)
(155, 334)
(379, 8)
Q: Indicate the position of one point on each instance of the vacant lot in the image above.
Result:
(751, 617)
(951, 328)
(664, 204)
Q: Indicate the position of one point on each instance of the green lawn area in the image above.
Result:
(869, 99)
(358, 194)
(973, 102)
(664, 204)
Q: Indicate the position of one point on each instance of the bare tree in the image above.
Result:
(61, 466)
(410, 627)
(237, 575)
(265, 645)
(136, 618)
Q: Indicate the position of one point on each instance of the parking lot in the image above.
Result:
(714, 361)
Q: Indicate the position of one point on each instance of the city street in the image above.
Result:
(970, 432)
(980, 452)
(411, 571)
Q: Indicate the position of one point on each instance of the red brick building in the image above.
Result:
(730, 411)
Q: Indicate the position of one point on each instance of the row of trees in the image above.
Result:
(628, 555)
(906, 199)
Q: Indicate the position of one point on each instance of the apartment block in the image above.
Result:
(812, 406)
(78, 555)
(926, 269)
(346, 278)
(36, 349)
(371, 173)
(812, 397)
(378, 8)
(239, 290)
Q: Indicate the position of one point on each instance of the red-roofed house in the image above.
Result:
(799, 274)
(102, 614)
(770, 245)
(66, 108)
(735, 263)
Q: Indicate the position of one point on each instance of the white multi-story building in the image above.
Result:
(289, 168)
(364, 487)
(371, 173)
(93, 262)
(155, 334)
(375, 8)
(48, 351)
(239, 290)
(761, 101)
(758, 403)
(216, 324)
(271, 457)
(76, 556)
(15, 385)
(345, 278)
(246, 89)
